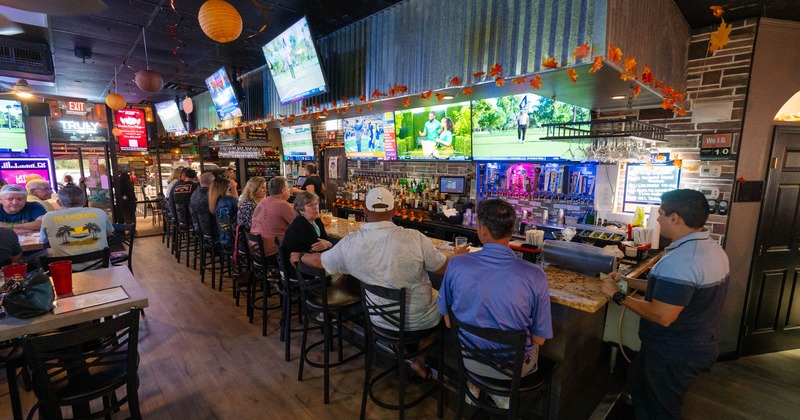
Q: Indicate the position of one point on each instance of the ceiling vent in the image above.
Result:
(27, 60)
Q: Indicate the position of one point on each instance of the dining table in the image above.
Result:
(30, 242)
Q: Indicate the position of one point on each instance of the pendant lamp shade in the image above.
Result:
(148, 80)
(116, 131)
(220, 21)
(115, 101)
(188, 105)
(790, 111)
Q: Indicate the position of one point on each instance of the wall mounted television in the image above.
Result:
(12, 128)
(297, 142)
(441, 132)
(370, 137)
(498, 135)
(452, 185)
(294, 64)
(219, 86)
(170, 117)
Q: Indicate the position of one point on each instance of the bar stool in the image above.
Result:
(290, 298)
(168, 219)
(389, 305)
(186, 238)
(331, 302)
(505, 343)
(263, 270)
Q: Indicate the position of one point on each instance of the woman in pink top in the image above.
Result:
(273, 215)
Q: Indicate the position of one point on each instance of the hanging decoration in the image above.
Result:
(220, 21)
(188, 105)
(148, 80)
(172, 33)
(114, 100)
(116, 131)
(265, 12)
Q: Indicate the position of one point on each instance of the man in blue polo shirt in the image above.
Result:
(681, 309)
(493, 288)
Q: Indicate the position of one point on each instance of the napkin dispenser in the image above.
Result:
(579, 257)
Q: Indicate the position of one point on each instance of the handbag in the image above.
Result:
(30, 297)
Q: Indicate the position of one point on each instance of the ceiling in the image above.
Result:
(186, 57)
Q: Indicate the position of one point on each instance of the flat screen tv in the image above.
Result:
(296, 141)
(441, 132)
(133, 129)
(219, 85)
(170, 117)
(12, 129)
(294, 64)
(508, 128)
(370, 137)
(452, 185)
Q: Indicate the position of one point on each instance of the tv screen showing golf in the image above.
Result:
(294, 64)
(441, 132)
(12, 129)
(370, 137)
(297, 142)
(510, 128)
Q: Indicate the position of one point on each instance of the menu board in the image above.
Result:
(133, 136)
(644, 184)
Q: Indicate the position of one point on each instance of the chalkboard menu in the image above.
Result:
(644, 184)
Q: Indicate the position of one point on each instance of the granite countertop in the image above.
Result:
(338, 228)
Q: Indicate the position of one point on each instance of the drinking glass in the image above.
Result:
(461, 241)
(351, 218)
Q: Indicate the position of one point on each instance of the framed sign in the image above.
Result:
(644, 184)
(133, 136)
(716, 146)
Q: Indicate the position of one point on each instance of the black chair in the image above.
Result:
(506, 358)
(265, 274)
(75, 367)
(397, 344)
(12, 360)
(186, 238)
(211, 251)
(128, 233)
(168, 219)
(290, 298)
(331, 302)
(98, 259)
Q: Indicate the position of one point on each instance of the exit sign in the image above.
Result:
(76, 107)
(716, 146)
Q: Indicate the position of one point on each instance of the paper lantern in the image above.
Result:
(220, 21)
(115, 101)
(188, 105)
(116, 131)
(148, 80)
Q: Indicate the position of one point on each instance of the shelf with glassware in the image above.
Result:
(267, 166)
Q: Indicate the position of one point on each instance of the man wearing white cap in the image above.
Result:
(386, 255)
(18, 214)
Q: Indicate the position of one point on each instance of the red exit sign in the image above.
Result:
(74, 106)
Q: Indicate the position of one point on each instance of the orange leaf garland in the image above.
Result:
(359, 109)
(495, 70)
(468, 91)
(344, 99)
(581, 50)
(630, 65)
(719, 38)
(627, 76)
(426, 95)
(316, 105)
(478, 74)
(550, 63)
(682, 112)
(718, 11)
(455, 81)
(573, 75)
(362, 98)
(369, 107)
(406, 102)
(598, 63)
(303, 117)
(659, 84)
(499, 81)
(536, 82)
(440, 96)
(614, 54)
(333, 104)
(518, 80)
(647, 75)
(377, 94)
(304, 109)
(636, 91)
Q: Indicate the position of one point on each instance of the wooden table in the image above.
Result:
(30, 242)
(85, 282)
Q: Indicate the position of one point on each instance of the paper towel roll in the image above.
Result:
(652, 223)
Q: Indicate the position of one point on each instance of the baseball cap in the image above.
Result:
(13, 189)
(380, 200)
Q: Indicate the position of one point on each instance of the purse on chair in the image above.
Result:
(31, 297)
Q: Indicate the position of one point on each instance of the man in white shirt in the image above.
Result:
(522, 126)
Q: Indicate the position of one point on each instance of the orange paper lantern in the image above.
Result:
(148, 80)
(116, 131)
(115, 101)
(220, 21)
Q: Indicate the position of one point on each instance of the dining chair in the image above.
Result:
(128, 231)
(94, 259)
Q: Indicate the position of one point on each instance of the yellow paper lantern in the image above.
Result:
(115, 101)
(116, 131)
(220, 21)
(148, 80)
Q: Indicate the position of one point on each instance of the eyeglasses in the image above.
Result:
(43, 189)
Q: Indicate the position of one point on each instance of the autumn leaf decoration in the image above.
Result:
(636, 91)
(406, 102)
(581, 50)
(440, 96)
(647, 75)
(536, 82)
(550, 63)
(455, 81)
(369, 107)
(499, 81)
(518, 80)
(598, 63)
(614, 54)
(362, 98)
(468, 91)
(629, 69)
(717, 11)
(573, 75)
(719, 38)
(495, 70)
(377, 94)
(478, 74)
(426, 95)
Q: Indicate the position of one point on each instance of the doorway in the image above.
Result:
(772, 310)
(90, 162)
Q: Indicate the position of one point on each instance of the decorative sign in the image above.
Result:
(644, 184)
(716, 146)
(79, 127)
(254, 134)
(134, 129)
(14, 171)
(239, 152)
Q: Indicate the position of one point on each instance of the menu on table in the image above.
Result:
(87, 300)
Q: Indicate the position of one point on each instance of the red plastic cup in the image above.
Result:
(61, 272)
(11, 270)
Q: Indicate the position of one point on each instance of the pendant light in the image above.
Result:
(148, 80)
(114, 100)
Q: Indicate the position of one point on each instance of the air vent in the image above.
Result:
(28, 60)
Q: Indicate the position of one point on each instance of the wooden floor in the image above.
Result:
(201, 359)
